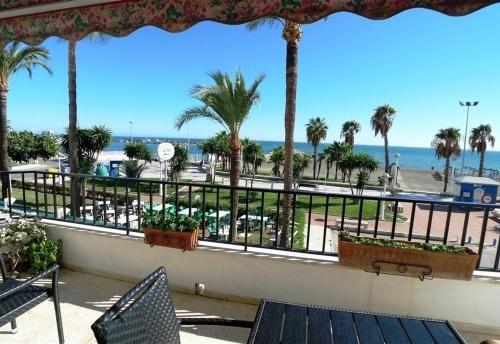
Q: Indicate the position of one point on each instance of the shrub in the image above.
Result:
(169, 222)
(44, 254)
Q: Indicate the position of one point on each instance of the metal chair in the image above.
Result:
(18, 297)
(146, 314)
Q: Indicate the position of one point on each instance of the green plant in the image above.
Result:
(169, 222)
(138, 151)
(43, 254)
(345, 236)
(179, 162)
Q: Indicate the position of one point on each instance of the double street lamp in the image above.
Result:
(468, 104)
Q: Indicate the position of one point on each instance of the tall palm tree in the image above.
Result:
(316, 130)
(478, 141)
(349, 130)
(447, 144)
(292, 33)
(228, 103)
(15, 58)
(381, 123)
(73, 117)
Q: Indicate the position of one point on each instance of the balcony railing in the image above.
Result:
(316, 217)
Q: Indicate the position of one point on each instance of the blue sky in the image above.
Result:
(420, 62)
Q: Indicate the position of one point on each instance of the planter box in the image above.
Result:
(407, 262)
(180, 240)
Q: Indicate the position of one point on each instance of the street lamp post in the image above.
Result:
(468, 104)
(396, 173)
(131, 136)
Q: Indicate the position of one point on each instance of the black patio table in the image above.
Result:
(280, 322)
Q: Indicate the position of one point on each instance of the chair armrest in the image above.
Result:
(216, 322)
(54, 270)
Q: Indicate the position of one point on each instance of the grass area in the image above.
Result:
(318, 204)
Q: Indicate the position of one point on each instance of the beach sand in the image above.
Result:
(420, 180)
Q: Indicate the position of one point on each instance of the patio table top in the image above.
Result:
(279, 322)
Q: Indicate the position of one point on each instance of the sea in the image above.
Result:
(419, 158)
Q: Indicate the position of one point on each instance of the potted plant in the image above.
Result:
(169, 230)
(423, 260)
(23, 241)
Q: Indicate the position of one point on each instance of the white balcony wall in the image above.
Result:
(249, 276)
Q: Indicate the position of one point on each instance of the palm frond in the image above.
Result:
(270, 22)
(198, 112)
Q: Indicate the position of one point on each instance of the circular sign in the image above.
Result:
(165, 151)
(487, 199)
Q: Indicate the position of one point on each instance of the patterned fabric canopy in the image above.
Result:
(32, 21)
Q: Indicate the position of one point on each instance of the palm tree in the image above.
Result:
(349, 129)
(227, 103)
(292, 33)
(447, 144)
(73, 118)
(277, 158)
(90, 143)
(14, 58)
(478, 141)
(381, 123)
(328, 155)
(321, 158)
(300, 164)
(316, 130)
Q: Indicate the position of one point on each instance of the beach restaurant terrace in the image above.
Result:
(109, 278)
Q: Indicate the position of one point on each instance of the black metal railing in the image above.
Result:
(316, 217)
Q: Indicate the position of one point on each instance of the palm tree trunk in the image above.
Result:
(72, 137)
(4, 131)
(292, 48)
(319, 169)
(234, 177)
(328, 166)
(446, 174)
(481, 163)
(315, 157)
(336, 170)
(386, 148)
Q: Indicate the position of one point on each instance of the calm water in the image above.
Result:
(411, 157)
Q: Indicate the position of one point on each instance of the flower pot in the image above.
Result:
(407, 262)
(180, 240)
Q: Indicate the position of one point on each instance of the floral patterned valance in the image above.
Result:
(119, 18)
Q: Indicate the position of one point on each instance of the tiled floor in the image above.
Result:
(85, 297)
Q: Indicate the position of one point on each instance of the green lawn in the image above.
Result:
(318, 204)
(302, 202)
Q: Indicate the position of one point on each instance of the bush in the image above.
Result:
(29, 239)
(44, 254)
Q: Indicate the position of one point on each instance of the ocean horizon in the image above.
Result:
(421, 158)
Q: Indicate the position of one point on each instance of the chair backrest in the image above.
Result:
(145, 314)
(3, 268)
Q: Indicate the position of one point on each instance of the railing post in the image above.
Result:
(483, 234)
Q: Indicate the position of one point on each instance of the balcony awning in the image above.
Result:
(32, 21)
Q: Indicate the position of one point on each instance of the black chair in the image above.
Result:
(18, 297)
(146, 314)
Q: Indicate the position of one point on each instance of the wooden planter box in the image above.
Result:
(180, 240)
(407, 262)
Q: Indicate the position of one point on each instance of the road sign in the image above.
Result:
(165, 151)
